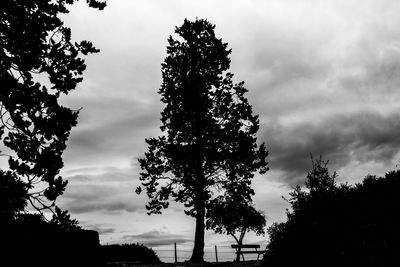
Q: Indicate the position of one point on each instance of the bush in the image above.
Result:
(339, 225)
(128, 253)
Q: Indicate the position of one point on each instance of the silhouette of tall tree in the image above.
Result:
(209, 131)
(35, 46)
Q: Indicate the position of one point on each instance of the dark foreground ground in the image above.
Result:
(184, 264)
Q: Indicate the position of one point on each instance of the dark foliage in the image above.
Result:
(209, 130)
(36, 222)
(128, 253)
(39, 62)
(13, 196)
(339, 225)
(63, 220)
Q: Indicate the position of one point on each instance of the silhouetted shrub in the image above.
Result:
(339, 225)
(128, 253)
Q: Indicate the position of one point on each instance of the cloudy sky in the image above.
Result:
(323, 75)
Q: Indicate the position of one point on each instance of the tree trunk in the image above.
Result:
(198, 249)
(199, 198)
(240, 242)
(238, 251)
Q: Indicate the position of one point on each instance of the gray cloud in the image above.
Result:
(100, 206)
(378, 72)
(109, 190)
(101, 229)
(363, 136)
(157, 238)
(112, 133)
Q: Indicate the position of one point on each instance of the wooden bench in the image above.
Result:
(244, 246)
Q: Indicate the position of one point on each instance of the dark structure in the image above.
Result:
(49, 247)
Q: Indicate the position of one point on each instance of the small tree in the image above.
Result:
(209, 130)
(36, 46)
(235, 218)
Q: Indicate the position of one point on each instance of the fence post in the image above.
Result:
(176, 255)
(216, 254)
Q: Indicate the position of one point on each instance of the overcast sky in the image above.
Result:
(324, 77)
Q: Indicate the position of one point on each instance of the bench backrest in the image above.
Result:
(245, 246)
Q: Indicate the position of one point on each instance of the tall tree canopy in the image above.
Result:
(209, 137)
(35, 46)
